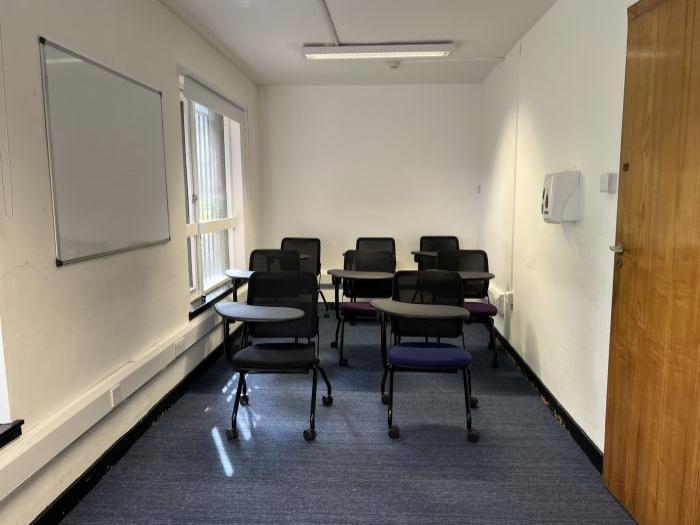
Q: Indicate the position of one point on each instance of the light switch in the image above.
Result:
(608, 183)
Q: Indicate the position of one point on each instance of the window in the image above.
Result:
(213, 144)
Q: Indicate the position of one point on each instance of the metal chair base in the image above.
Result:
(469, 401)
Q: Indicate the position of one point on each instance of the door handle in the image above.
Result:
(617, 248)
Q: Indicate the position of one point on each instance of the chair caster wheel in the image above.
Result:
(343, 361)
(394, 432)
(385, 399)
(334, 344)
(309, 435)
(244, 400)
(473, 402)
(473, 436)
(327, 401)
(232, 434)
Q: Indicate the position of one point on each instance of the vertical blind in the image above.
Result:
(211, 170)
(212, 195)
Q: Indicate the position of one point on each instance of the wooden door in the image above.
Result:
(652, 440)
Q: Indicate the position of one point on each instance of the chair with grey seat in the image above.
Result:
(298, 353)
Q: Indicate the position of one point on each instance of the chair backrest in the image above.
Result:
(285, 288)
(376, 244)
(274, 260)
(373, 261)
(435, 243)
(427, 287)
(466, 261)
(368, 261)
(348, 264)
(306, 246)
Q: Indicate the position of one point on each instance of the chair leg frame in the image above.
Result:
(310, 433)
(341, 344)
(244, 396)
(233, 432)
(312, 413)
(384, 376)
(336, 292)
(325, 303)
(329, 389)
(390, 414)
(334, 344)
(466, 377)
(472, 435)
(490, 325)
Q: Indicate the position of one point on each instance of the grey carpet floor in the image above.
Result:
(525, 469)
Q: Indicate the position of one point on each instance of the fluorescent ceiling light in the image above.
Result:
(373, 51)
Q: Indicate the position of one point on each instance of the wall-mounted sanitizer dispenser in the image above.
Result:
(561, 197)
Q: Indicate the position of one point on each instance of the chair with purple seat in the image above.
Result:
(434, 288)
(354, 289)
(476, 292)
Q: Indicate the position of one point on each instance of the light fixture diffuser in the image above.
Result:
(374, 51)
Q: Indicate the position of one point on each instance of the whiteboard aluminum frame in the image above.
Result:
(47, 120)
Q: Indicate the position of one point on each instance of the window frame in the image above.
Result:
(233, 223)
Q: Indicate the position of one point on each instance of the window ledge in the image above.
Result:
(10, 431)
(200, 306)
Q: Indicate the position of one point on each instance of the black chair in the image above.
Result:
(312, 248)
(480, 310)
(429, 287)
(274, 260)
(366, 261)
(434, 243)
(288, 289)
(376, 244)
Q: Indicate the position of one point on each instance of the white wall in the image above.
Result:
(569, 81)
(68, 330)
(4, 399)
(498, 141)
(340, 162)
(346, 161)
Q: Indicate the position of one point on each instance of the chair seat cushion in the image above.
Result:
(477, 309)
(429, 355)
(275, 356)
(357, 308)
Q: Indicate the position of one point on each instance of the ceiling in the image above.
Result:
(265, 36)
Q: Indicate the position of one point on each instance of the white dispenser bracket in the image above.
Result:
(561, 197)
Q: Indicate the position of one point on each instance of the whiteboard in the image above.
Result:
(106, 158)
